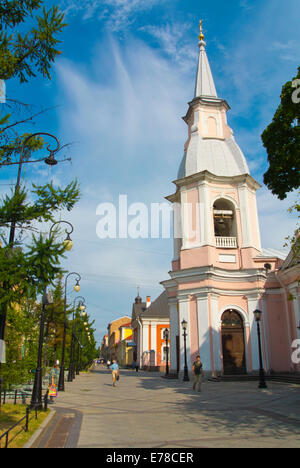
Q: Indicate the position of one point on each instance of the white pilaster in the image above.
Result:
(253, 304)
(216, 333)
(205, 215)
(184, 219)
(184, 315)
(154, 340)
(139, 345)
(173, 333)
(145, 337)
(245, 216)
(203, 330)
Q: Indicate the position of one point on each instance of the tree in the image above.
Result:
(28, 38)
(282, 142)
(28, 46)
(294, 241)
(30, 268)
(21, 342)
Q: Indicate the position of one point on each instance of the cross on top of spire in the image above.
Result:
(201, 36)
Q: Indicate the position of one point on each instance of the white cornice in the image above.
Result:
(244, 179)
(218, 274)
(183, 296)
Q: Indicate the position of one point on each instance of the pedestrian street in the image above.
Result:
(146, 410)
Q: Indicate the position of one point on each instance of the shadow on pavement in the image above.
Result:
(240, 409)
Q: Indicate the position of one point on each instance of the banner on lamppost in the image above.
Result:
(2, 352)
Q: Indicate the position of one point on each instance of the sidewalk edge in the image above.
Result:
(38, 432)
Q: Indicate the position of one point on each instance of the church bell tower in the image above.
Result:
(217, 274)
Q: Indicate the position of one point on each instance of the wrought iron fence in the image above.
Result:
(25, 418)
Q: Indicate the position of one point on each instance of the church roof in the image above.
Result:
(205, 85)
(269, 253)
(159, 308)
(220, 155)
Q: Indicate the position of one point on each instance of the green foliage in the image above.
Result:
(23, 53)
(41, 204)
(282, 142)
(11, 145)
(21, 343)
(51, 199)
(43, 259)
(294, 241)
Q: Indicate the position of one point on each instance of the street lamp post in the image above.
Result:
(36, 398)
(71, 373)
(262, 382)
(78, 364)
(185, 373)
(166, 337)
(50, 160)
(61, 381)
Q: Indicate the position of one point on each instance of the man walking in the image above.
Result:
(198, 373)
(115, 372)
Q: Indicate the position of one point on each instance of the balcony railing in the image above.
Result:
(226, 242)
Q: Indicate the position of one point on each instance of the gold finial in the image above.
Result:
(201, 36)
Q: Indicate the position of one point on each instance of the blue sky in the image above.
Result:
(117, 94)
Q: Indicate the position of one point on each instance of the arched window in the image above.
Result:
(225, 224)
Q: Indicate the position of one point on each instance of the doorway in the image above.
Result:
(233, 343)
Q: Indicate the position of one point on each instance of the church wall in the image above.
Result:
(279, 347)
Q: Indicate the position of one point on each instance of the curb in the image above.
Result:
(38, 432)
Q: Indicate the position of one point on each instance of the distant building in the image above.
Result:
(114, 335)
(149, 320)
(124, 348)
(104, 348)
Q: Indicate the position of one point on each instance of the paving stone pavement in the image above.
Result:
(148, 411)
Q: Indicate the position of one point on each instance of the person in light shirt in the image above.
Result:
(115, 372)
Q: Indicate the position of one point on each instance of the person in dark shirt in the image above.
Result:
(198, 373)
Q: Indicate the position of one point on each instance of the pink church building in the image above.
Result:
(220, 273)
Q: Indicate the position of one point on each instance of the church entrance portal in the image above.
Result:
(233, 343)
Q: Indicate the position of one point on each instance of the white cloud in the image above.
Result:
(275, 221)
(174, 40)
(118, 14)
(134, 118)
